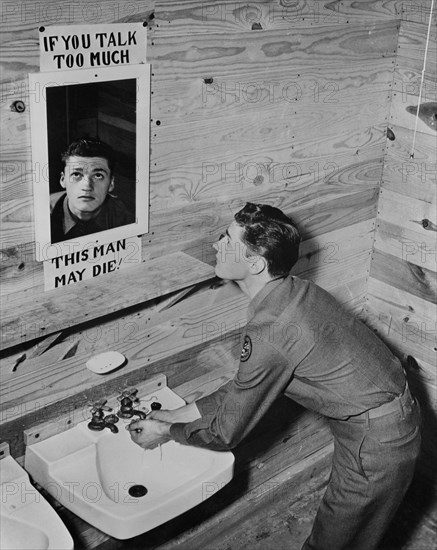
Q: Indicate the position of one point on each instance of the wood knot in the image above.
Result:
(428, 225)
(390, 134)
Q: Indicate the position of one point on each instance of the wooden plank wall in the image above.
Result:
(295, 118)
(402, 293)
(262, 104)
(256, 101)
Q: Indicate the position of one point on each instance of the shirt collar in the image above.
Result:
(68, 220)
(259, 297)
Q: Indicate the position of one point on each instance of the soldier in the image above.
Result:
(320, 356)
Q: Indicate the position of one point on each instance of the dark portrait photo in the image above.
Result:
(91, 131)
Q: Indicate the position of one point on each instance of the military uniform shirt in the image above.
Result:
(64, 226)
(299, 341)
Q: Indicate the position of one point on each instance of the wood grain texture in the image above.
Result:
(404, 320)
(246, 53)
(307, 171)
(410, 62)
(89, 301)
(410, 58)
(416, 247)
(400, 229)
(412, 177)
(420, 282)
(183, 16)
(318, 169)
(402, 292)
(224, 90)
(318, 153)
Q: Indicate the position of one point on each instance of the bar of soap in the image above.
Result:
(105, 362)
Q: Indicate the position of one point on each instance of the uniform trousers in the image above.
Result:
(373, 464)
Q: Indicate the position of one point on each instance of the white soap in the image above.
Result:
(105, 362)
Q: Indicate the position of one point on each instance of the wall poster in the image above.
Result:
(90, 135)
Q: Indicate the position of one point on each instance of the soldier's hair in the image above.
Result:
(271, 234)
(90, 147)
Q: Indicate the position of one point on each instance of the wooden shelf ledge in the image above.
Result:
(59, 309)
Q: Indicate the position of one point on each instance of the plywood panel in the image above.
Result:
(399, 116)
(337, 255)
(412, 177)
(405, 320)
(230, 92)
(338, 165)
(410, 58)
(245, 53)
(261, 135)
(184, 16)
(400, 230)
(411, 278)
(410, 62)
(419, 248)
(402, 293)
(57, 309)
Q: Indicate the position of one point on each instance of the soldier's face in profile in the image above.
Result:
(232, 259)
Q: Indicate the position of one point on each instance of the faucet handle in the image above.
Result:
(99, 406)
(129, 393)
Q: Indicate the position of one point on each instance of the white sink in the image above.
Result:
(117, 486)
(27, 520)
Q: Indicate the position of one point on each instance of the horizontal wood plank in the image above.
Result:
(401, 274)
(412, 177)
(400, 231)
(403, 319)
(407, 81)
(249, 52)
(222, 91)
(416, 247)
(410, 58)
(186, 17)
(89, 301)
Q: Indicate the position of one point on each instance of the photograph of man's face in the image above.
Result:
(92, 177)
(87, 181)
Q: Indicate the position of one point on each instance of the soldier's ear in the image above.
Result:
(111, 185)
(62, 180)
(257, 264)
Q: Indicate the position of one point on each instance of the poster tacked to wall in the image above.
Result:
(90, 136)
(92, 46)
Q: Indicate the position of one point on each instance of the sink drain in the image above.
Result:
(137, 491)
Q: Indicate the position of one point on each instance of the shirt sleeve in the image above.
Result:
(232, 411)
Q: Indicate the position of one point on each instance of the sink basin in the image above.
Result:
(117, 486)
(27, 520)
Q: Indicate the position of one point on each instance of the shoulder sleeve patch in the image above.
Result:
(246, 352)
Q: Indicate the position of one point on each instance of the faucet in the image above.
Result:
(99, 421)
(127, 399)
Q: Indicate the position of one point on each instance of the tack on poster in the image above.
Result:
(90, 138)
